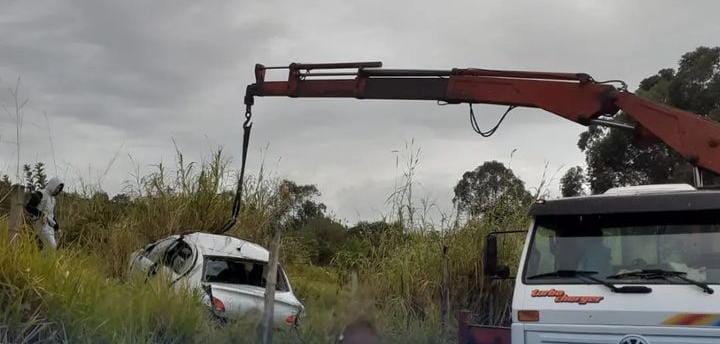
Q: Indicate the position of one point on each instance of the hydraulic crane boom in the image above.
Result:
(577, 97)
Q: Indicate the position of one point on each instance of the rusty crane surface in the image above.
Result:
(574, 96)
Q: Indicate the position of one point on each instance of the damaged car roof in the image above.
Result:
(223, 245)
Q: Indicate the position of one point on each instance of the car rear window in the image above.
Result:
(240, 271)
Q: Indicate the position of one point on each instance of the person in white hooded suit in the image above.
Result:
(47, 225)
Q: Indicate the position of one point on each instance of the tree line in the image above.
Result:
(614, 158)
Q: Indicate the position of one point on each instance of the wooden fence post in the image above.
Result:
(268, 314)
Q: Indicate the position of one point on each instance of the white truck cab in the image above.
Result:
(636, 265)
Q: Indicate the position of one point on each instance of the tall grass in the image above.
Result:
(69, 290)
(389, 275)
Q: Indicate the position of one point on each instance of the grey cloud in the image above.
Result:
(128, 76)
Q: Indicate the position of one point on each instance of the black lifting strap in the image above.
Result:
(237, 200)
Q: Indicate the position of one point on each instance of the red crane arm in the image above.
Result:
(576, 97)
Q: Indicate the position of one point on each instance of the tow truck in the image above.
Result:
(635, 265)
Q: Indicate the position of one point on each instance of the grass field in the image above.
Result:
(389, 275)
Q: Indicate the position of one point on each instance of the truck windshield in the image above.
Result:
(613, 244)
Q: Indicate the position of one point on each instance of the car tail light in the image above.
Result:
(218, 305)
(528, 316)
(290, 320)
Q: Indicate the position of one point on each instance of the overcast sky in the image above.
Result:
(119, 80)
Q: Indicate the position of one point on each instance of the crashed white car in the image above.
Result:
(230, 271)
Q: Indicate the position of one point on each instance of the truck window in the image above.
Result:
(240, 271)
(611, 244)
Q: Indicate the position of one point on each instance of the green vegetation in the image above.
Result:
(615, 158)
(387, 273)
(66, 296)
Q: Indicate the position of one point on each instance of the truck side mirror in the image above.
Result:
(490, 259)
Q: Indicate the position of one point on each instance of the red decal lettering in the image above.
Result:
(561, 297)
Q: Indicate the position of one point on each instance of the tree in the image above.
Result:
(5, 189)
(29, 180)
(614, 158)
(302, 204)
(39, 175)
(325, 237)
(322, 235)
(35, 177)
(571, 184)
(121, 199)
(487, 185)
